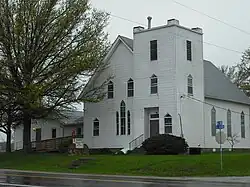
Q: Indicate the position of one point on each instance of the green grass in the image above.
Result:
(235, 164)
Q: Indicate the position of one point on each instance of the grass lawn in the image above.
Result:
(235, 164)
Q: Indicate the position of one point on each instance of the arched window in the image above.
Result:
(213, 121)
(242, 122)
(190, 85)
(117, 123)
(130, 88)
(229, 123)
(110, 90)
(168, 124)
(123, 117)
(96, 127)
(129, 122)
(154, 84)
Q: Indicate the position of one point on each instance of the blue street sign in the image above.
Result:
(220, 125)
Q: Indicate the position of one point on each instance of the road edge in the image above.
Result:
(231, 179)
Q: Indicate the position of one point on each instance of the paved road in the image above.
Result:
(24, 179)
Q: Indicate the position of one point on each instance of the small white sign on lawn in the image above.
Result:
(79, 143)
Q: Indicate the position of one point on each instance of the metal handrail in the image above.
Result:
(136, 142)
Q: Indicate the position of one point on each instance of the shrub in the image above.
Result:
(165, 144)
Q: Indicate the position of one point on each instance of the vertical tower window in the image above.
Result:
(189, 50)
(154, 84)
(153, 50)
(130, 88)
(190, 85)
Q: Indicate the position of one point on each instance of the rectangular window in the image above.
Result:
(129, 123)
(229, 124)
(189, 50)
(213, 121)
(153, 50)
(190, 85)
(54, 133)
(96, 128)
(243, 133)
(130, 88)
(168, 124)
(154, 85)
(110, 90)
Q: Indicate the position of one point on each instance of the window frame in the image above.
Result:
(189, 50)
(168, 124)
(153, 85)
(110, 90)
(123, 118)
(153, 50)
(229, 123)
(213, 121)
(190, 85)
(96, 127)
(130, 88)
(128, 122)
(242, 125)
(117, 123)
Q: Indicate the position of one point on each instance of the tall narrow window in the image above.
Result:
(168, 124)
(129, 122)
(110, 90)
(190, 85)
(153, 50)
(229, 123)
(123, 118)
(130, 88)
(54, 133)
(189, 50)
(117, 123)
(242, 122)
(213, 121)
(154, 84)
(96, 127)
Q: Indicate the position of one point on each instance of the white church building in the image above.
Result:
(162, 84)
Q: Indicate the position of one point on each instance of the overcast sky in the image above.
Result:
(234, 12)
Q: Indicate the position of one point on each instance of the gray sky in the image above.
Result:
(234, 12)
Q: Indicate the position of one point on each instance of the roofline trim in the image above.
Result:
(215, 98)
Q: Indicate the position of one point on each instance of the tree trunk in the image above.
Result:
(26, 133)
(8, 132)
(8, 143)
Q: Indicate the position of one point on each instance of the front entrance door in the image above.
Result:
(38, 134)
(154, 127)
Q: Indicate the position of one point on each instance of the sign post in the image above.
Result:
(220, 139)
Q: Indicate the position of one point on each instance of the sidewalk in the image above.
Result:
(231, 180)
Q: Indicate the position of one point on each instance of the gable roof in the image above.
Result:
(218, 86)
(120, 39)
(128, 41)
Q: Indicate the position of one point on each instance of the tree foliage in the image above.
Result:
(46, 48)
(240, 73)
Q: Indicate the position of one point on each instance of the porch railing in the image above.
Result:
(50, 144)
(136, 142)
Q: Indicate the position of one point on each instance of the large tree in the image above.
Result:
(46, 48)
(240, 73)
